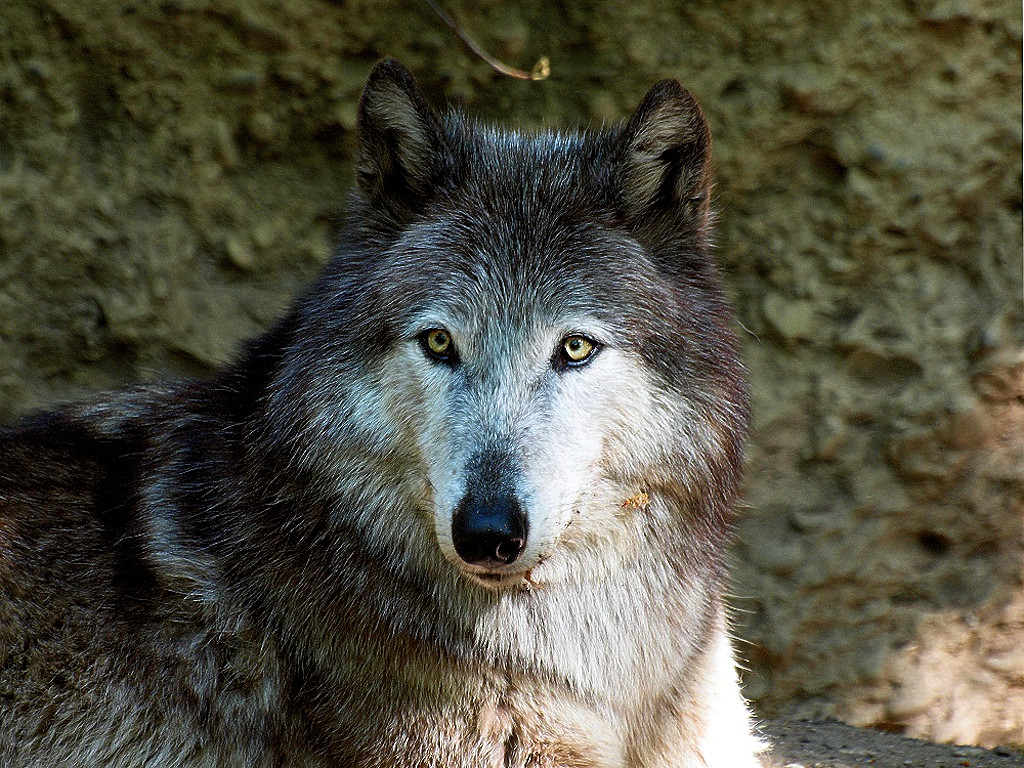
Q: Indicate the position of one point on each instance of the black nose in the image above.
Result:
(489, 531)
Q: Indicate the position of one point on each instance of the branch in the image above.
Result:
(540, 70)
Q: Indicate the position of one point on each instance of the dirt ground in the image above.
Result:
(831, 744)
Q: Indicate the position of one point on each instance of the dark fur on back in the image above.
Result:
(238, 572)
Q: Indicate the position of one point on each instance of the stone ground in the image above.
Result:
(831, 744)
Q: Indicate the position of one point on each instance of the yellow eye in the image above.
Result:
(438, 344)
(438, 341)
(577, 349)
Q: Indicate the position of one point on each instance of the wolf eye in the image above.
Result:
(437, 343)
(576, 350)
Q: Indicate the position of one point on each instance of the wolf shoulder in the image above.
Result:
(96, 645)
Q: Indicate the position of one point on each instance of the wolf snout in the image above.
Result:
(489, 531)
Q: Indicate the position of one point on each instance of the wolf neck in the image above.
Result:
(596, 636)
(592, 639)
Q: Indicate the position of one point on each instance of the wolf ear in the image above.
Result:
(399, 139)
(665, 154)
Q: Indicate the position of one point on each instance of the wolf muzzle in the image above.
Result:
(489, 530)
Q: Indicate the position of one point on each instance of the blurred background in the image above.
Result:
(171, 172)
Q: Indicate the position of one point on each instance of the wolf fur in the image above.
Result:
(270, 568)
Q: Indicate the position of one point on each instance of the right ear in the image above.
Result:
(665, 156)
(400, 138)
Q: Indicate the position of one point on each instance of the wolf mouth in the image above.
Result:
(493, 580)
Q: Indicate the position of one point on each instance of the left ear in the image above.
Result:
(400, 140)
(665, 152)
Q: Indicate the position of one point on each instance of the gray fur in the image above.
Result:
(259, 569)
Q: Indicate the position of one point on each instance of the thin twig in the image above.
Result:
(540, 70)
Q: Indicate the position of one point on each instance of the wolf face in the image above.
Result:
(514, 423)
(529, 333)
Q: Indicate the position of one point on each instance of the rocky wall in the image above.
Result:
(171, 171)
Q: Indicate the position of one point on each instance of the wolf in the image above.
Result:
(466, 505)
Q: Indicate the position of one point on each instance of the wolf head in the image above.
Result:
(520, 357)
